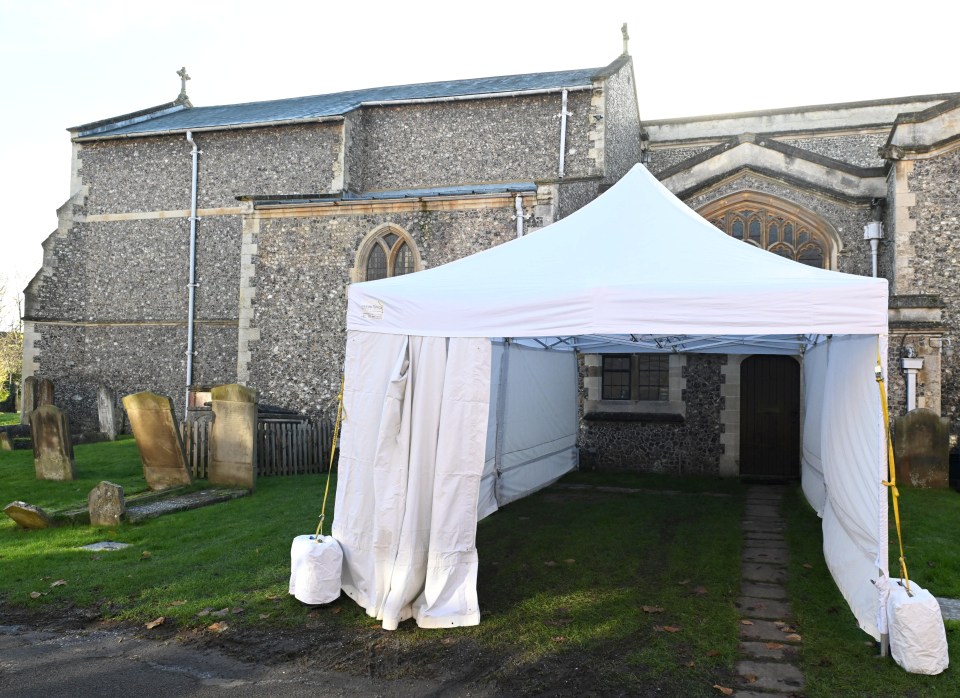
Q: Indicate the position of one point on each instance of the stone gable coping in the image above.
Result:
(861, 114)
(136, 117)
(774, 145)
(917, 133)
(865, 199)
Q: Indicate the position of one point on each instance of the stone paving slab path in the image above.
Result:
(769, 643)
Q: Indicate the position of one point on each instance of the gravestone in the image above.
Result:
(5, 443)
(44, 392)
(158, 438)
(233, 437)
(52, 448)
(108, 412)
(106, 504)
(922, 449)
(28, 398)
(27, 515)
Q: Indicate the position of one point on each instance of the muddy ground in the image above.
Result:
(54, 653)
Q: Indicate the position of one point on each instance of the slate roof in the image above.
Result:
(330, 105)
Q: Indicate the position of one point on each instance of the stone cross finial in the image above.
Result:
(183, 83)
(626, 38)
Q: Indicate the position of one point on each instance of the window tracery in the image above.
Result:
(783, 230)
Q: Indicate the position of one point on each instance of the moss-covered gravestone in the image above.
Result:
(107, 412)
(28, 516)
(922, 448)
(106, 504)
(233, 437)
(28, 398)
(52, 448)
(44, 392)
(155, 428)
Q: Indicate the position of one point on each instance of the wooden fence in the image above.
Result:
(284, 446)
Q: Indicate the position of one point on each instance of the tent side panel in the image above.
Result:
(854, 546)
(814, 384)
(410, 469)
(538, 442)
(371, 361)
(488, 483)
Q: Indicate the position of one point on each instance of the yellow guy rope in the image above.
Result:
(892, 482)
(333, 450)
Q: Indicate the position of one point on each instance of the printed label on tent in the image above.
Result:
(372, 311)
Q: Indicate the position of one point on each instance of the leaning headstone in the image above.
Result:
(106, 504)
(27, 515)
(28, 399)
(52, 447)
(233, 437)
(108, 412)
(158, 438)
(44, 392)
(5, 443)
(922, 449)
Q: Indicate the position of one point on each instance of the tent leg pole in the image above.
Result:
(884, 645)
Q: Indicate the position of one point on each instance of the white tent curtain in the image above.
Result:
(814, 384)
(533, 426)
(411, 457)
(855, 502)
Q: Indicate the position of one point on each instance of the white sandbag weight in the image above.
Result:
(315, 569)
(918, 640)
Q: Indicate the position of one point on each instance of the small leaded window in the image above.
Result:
(616, 377)
(638, 377)
(653, 376)
(388, 254)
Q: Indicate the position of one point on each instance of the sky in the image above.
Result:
(68, 63)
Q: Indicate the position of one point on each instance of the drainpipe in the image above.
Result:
(519, 217)
(192, 285)
(563, 130)
(873, 231)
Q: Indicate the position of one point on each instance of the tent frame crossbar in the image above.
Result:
(794, 344)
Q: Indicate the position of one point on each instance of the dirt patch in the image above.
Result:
(459, 665)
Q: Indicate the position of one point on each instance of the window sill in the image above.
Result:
(647, 417)
(655, 411)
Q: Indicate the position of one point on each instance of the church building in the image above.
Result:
(211, 245)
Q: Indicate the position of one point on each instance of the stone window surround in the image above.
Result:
(593, 386)
(358, 272)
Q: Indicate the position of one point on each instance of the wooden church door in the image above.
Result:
(770, 417)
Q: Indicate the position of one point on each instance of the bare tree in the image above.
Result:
(11, 341)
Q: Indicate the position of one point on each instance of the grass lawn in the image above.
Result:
(837, 658)
(582, 590)
(8, 418)
(116, 461)
(616, 592)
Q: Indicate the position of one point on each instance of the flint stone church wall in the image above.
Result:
(153, 174)
(688, 447)
(302, 271)
(936, 266)
(470, 142)
(130, 358)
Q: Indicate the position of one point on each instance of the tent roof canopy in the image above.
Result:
(634, 260)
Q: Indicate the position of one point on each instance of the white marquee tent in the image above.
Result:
(461, 386)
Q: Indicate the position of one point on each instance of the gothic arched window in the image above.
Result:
(386, 251)
(774, 225)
